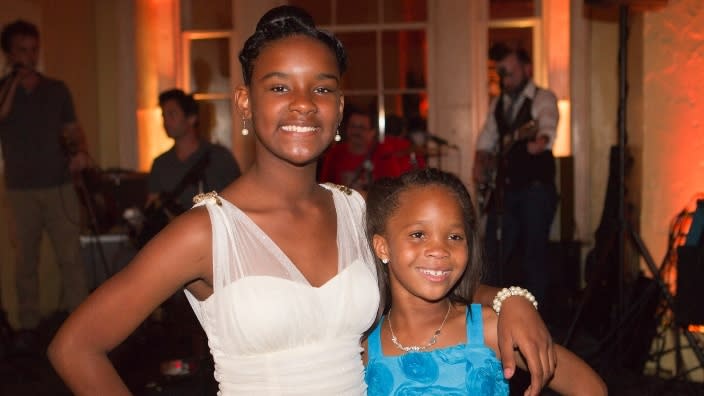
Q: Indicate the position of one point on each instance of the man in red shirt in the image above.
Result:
(361, 158)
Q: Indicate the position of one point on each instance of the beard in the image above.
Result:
(515, 91)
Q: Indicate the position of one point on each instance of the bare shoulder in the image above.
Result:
(489, 317)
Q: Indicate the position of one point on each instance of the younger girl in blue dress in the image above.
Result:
(432, 339)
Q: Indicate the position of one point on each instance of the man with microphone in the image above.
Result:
(42, 147)
(516, 141)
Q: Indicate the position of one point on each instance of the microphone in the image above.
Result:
(441, 141)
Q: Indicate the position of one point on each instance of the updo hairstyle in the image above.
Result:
(282, 22)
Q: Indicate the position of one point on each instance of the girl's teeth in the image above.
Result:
(433, 273)
(294, 128)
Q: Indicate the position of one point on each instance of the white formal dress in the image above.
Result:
(270, 331)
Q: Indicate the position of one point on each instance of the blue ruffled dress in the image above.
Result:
(465, 369)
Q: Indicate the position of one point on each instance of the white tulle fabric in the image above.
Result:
(269, 330)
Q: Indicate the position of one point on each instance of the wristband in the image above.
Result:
(507, 292)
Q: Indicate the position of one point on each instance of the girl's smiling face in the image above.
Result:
(425, 243)
(294, 100)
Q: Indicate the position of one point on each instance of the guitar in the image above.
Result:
(496, 164)
(158, 213)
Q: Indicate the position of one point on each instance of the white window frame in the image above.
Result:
(379, 28)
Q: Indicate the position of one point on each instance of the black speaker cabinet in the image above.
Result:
(105, 255)
(690, 283)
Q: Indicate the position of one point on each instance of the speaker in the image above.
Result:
(564, 279)
(690, 280)
(127, 188)
(696, 228)
(105, 255)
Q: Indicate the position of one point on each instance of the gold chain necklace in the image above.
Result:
(417, 348)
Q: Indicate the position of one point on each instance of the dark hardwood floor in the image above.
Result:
(175, 334)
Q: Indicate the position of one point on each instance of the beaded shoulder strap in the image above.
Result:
(208, 197)
(340, 187)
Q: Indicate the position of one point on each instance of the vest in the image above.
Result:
(521, 168)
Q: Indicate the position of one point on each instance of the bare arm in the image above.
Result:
(573, 377)
(521, 326)
(178, 255)
(547, 115)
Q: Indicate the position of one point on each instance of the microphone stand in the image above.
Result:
(81, 186)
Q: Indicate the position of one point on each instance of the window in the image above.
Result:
(386, 41)
(206, 32)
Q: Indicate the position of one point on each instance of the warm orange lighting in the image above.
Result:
(563, 141)
(696, 328)
(151, 137)
(157, 43)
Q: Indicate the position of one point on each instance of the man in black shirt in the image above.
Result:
(193, 165)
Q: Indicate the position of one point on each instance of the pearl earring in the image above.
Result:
(337, 135)
(245, 131)
(385, 260)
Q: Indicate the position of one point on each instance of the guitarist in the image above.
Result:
(517, 138)
(191, 166)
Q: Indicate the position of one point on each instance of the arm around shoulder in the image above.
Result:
(520, 326)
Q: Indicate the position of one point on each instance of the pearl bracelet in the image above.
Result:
(507, 292)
